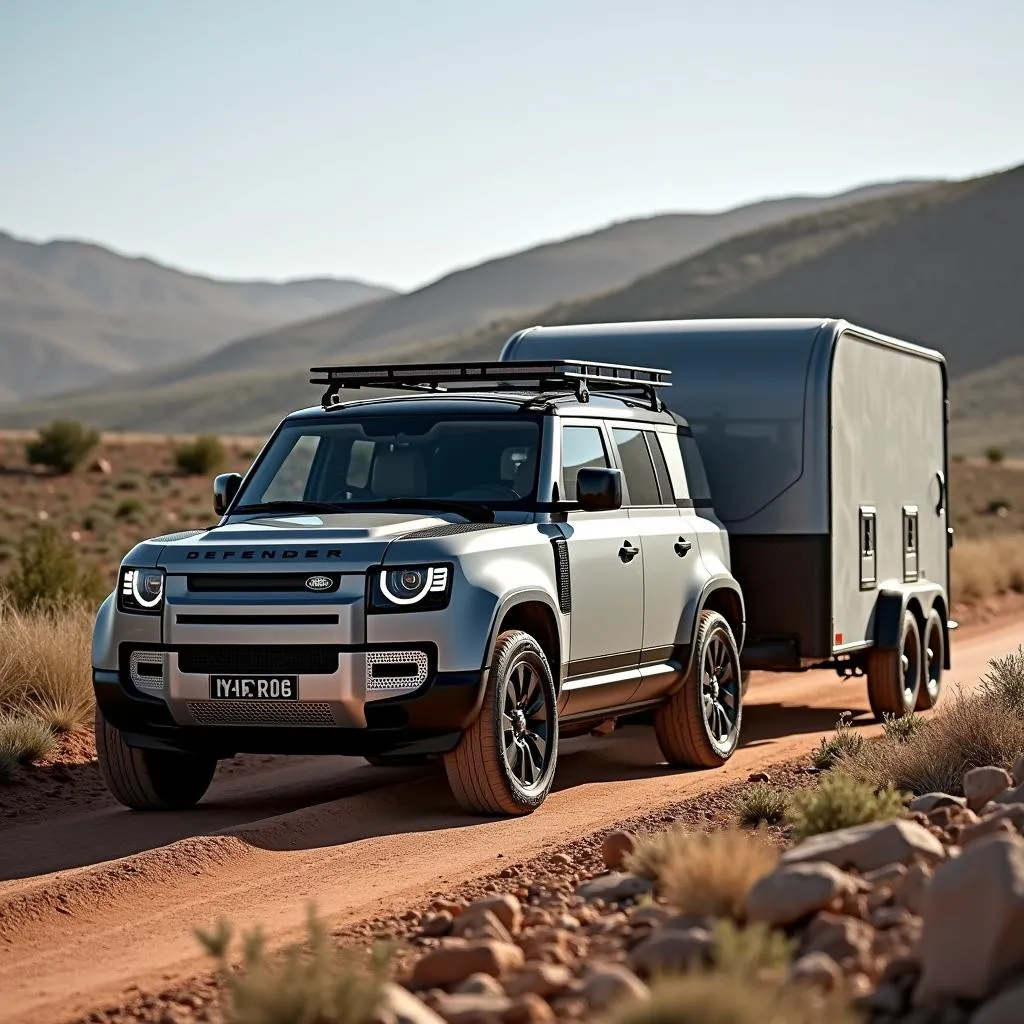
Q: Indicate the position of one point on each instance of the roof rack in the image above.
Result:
(567, 375)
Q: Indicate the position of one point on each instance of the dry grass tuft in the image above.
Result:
(23, 739)
(844, 742)
(762, 803)
(752, 950)
(313, 983)
(987, 566)
(704, 873)
(902, 728)
(840, 801)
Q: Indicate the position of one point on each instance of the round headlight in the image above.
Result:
(407, 584)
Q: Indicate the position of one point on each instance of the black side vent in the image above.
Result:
(562, 573)
(451, 530)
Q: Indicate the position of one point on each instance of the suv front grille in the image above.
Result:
(262, 582)
(265, 659)
(268, 712)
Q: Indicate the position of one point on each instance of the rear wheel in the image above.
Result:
(505, 761)
(150, 780)
(699, 727)
(894, 676)
(934, 658)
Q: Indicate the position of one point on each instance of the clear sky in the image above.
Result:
(393, 140)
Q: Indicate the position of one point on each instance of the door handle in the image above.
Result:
(682, 546)
(628, 551)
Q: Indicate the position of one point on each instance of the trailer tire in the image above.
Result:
(519, 712)
(150, 780)
(933, 648)
(682, 724)
(894, 676)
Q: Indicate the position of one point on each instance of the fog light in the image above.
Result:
(391, 672)
(147, 671)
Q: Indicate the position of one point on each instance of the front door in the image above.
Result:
(607, 573)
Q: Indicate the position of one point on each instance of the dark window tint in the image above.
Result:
(581, 446)
(637, 467)
(700, 489)
(660, 468)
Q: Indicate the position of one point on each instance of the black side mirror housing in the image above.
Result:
(225, 487)
(598, 489)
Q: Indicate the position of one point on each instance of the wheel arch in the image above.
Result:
(895, 601)
(723, 595)
(533, 612)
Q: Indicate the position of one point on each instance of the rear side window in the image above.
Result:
(637, 467)
(581, 447)
(661, 469)
(700, 489)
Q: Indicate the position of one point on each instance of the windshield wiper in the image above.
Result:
(467, 509)
(292, 505)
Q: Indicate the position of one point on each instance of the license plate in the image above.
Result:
(254, 687)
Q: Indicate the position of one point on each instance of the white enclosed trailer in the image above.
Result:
(825, 449)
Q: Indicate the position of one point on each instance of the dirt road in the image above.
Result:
(93, 903)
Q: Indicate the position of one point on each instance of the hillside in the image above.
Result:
(71, 313)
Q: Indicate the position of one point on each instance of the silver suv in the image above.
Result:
(512, 553)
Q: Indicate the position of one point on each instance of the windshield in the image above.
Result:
(411, 456)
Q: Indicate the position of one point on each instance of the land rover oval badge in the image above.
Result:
(318, 583)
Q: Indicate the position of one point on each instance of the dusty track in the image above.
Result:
(93, 903)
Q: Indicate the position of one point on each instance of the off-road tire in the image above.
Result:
(680, 724)
(477, 769)
(150, 780)
(894, 684)
(933, 650)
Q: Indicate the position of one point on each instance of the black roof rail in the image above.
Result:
(576, 376)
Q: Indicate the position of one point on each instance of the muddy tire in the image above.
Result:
(505, 761)
(894, 677)
(933, 649)
(150, 780)
(700, 725)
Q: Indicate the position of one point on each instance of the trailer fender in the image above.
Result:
(892, 604)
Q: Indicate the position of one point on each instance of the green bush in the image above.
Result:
(47, 572)
(995, 455)
(749, 950)
(62, 446)
(902, 728)
(840, 801)
(762, 803)
(200, 457)
(129, 509)
(844, 742)
(1003, 684)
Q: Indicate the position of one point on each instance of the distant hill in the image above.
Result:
(72, 313)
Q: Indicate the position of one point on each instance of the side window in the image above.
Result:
(700, 489)
(660, 468)
(637, 467)
(668, 445)
(581, 446)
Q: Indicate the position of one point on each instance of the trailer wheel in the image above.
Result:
(894, 676)
(934, 650)
(150, 780)
(699, 727)
(505, 761)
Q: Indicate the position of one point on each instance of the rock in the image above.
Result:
(101, 466)
(506, 908)
(403, 1007)
(795, 891)
(479, 985)
(450, 965)
(671, 950)
(436, 925)
(472, 1008)
(886, 999)
(890, 875)
(846, 940)
(909, 892)
(818, 969)
(1005, 1008)
(1005, 818)
(973, 921)
(984, 784)
(528, 1009)
(615, 847)
(866, 847)
(931, 801)
(614, 887)
(540, 979)
(607, 984)
(481, 924)
(1012, 796)
(759, 777)
(652, 914)
(1018, 770)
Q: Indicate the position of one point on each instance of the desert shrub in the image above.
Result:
(45, 664)
(987, 566)
(844, 742)
(130, 508)
(1003, 683)
(751, 950)
(200, 457)
(762, 803)
(315, 984)
(902, 728)
(23, 738)
(704, 873)
(47, 572)
(995, 455)
(62, 446)
(840, 801)
(706, 997)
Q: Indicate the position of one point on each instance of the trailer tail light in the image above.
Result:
(839, 638)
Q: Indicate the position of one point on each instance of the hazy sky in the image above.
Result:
(396, 140)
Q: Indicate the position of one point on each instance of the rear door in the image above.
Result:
(606, 566)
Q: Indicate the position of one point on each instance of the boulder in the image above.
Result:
(528, 1009)
(909, 892)
(794, 891)
(506, 908)
(450, 965)
(932, 801)
(671, 950)
(973, 921)
(539, 979)
(870, 846)
(1004, 818)
(847, 940)
(818, 969)
(607, 984)
(434, 926)
(616, 847)
(1018, 770)
(1013, 796)
(479, 985)
(472, 1008)
(402, 1007)
(614, 887)
(481, 924)
(1005, 1008)
(984, 784)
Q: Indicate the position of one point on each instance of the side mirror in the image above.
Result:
(598, 489)
(225, 487)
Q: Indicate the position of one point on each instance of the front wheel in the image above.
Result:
(150, 780)
(505, 761)
(699, 727)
